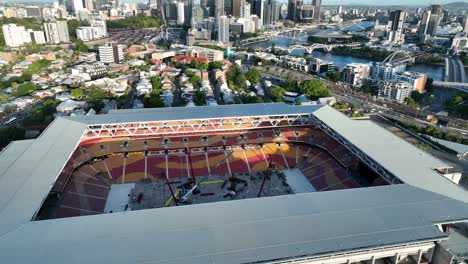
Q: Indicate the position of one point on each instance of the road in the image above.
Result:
(364, 101)
(455, 71)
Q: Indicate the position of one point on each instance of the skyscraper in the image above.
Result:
(271, 12)
(219, 8)
(223, 29)
(317, 6)
(228, 7)
(236, 7)
(188, 10)
(180, 12)
(434, 20)
(397, 21)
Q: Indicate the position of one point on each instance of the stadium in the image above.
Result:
(259, 183)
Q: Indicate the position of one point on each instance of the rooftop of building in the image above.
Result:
(308, 224)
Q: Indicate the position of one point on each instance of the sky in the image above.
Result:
(324, 2)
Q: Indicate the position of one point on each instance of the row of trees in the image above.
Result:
(434, 132)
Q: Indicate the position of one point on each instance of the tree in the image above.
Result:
(25, 89)
(411, 102)
(276, 93)
(315, 89)
(81, 47)
(195, 80)
(199, 65)
(199, 98)
(366, 88)
(73, 25)
(77, 93)
(153, 101)
(291, 84)
(215, 65)
(333, 76)
(156, 82)
(252, 75)
(9, 134)
(235, 78)
(247, 99)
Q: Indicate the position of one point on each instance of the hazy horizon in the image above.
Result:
(324, 2)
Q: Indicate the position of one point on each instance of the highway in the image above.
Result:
(455, 71)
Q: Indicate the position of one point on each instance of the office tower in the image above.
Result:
(424, 23)
(434, 20)
(88, 4)
(56, 32)
(228, 7)
(245, 10)
(465, 25)
(396, 22)
(292, 10)
(271, 12)
(188, 10)
(219, 8)
(258, 8)
(236, 7)
(223, 29)
(197, 14)
(15, 36)
(111, 53)
(77, 5)
(317, 6)
(339, 11)
(180, 12)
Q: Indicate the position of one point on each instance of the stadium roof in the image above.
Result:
(241, 231)
(225, 232)
(188, 113)
(407, 162)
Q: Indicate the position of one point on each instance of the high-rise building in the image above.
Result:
(77, 5)
(292, 9)
(236, 7)
(228, 7)
(258, 8)
(272, 12)
(223, 29)
(37, 36)
(111, 53)
(218, 8)
(180, 12)
(56, 32)
(355, 73)
(465, 25)
(188, 10)
(15, 36)
(434, 20)
(317, 7)
(394, 90)
(424, 24)
(339, 10)
(397, 20)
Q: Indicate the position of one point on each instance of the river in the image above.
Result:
(433, 71)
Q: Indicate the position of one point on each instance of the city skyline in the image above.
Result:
(325, 2)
